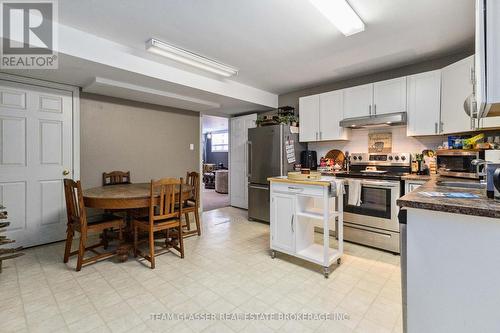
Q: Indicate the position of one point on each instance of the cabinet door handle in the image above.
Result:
(291, 223)
(316, 135)
(435, 127)
(295, 189)
(321, 135)
(374, 109)
(370, 109)
(441, 127)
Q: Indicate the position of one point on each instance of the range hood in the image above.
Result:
(379, 120)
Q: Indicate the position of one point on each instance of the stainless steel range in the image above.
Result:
(373, 219)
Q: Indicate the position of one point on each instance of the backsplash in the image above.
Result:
(401, 143)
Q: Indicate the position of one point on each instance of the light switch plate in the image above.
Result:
(191, 146)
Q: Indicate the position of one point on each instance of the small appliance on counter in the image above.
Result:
(458, 162)
(309, 159)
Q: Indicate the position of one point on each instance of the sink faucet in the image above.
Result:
(478, 163)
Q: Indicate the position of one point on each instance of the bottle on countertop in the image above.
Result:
(414, 164)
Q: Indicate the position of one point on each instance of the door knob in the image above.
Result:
(65, 172)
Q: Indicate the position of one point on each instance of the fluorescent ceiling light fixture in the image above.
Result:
(189, 58)
(341, 14)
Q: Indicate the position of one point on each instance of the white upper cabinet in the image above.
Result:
(456, 86)
(330, 114)
(358, 101)
(424, 103)
(389, 96)
(319, 117)
(309, 118)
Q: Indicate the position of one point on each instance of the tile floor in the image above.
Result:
(226, 270)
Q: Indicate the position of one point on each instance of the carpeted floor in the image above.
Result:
(213, 200)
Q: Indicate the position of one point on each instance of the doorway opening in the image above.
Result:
(215, 156)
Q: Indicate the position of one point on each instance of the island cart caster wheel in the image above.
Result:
(326, 272)
(273, 254)
(339, 261)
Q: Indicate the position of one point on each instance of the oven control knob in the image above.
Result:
(403, 158)
(360, 158)
(355, 158)
(396, 158)
(390, 158)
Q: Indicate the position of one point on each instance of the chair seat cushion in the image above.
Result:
(145, 219)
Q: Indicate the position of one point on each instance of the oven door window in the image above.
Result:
(375, 202)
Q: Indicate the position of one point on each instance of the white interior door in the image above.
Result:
(238, 183)
(36, 129)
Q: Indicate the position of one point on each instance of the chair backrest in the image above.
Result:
(193, 179)
(75, 208)
(115, 177)
(164, 204)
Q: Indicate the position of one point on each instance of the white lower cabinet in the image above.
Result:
(411, 185)
(283, 217)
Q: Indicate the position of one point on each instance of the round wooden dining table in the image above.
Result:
(126, 197)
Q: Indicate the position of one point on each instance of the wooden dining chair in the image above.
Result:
(165, 213)
(115, 177)
(78, 222)
(192, 204)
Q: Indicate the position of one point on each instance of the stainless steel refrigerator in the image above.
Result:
(269, 155)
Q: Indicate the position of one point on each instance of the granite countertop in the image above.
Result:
(418, 177)
(481, 206)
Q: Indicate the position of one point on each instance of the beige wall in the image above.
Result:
(151, 141)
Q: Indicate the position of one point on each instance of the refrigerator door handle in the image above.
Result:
(249, 159)
(281, 150)
(259, 187)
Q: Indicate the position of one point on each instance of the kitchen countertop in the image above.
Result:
(323, 181)
(481, 206)
(418, 177)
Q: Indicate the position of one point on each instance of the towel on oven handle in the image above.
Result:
(354, 195)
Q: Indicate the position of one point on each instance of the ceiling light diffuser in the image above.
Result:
(189, 58)
(341, 14)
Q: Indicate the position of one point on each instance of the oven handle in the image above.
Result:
(380, 184)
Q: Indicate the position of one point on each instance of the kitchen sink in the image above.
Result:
(461, 184)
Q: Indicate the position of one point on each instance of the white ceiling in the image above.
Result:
(283, 45)
(214, 124)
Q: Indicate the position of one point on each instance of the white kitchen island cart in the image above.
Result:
(297, 208)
